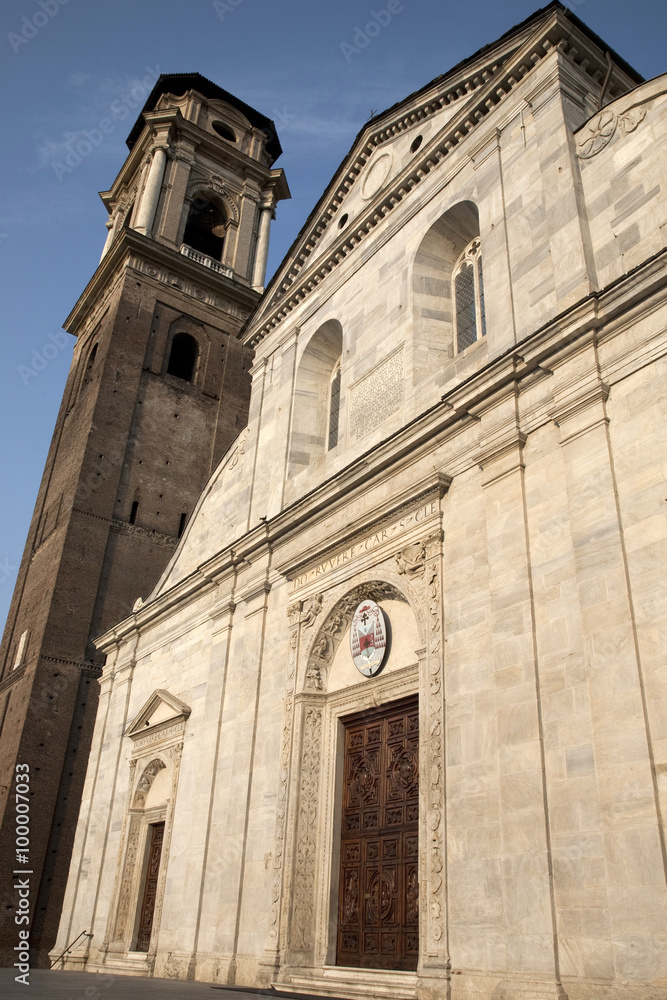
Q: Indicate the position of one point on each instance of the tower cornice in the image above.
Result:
(130, 243)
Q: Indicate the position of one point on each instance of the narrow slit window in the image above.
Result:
(20, 652)
(334, 408)
(183, 522)
(133, 512)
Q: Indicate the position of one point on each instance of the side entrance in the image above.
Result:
(378, 907)
(150, 887)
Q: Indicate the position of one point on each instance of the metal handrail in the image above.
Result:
(69, 947)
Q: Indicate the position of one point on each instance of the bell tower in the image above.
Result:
(157, 392)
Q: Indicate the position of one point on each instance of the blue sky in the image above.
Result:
(66, 65)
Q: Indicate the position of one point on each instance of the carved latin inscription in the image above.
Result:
(376, 396)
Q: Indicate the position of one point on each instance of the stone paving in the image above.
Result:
(53, 985)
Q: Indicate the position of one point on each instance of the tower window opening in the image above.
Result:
(334, 407)
(133, 512)
(183, 521)
(205, 228)
(223, 130)
(90, 362)
(469, 297)
(183, 357)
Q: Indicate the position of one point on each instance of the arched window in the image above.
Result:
(334, 407)
(205, 228)
(317, 417)
(444, 253)
(469, 297)
(183, 357)
(91, 358)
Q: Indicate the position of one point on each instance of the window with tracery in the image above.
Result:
(334, 407)
(469, 297)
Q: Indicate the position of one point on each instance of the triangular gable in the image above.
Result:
(161, 709)
(459, 100)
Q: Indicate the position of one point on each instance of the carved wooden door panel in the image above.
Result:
(150, 887)
(378, 911)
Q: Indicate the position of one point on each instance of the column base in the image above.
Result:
(469, 986)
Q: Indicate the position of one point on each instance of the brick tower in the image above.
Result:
(157, 392)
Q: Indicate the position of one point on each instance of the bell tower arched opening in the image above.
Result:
(205, 227)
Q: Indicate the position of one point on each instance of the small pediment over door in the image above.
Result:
(162, 710)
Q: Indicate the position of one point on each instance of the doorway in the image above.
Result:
(149, 894)
(378, 905)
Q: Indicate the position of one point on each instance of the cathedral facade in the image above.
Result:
(393, 721)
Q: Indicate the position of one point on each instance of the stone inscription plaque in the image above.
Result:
(376, 396)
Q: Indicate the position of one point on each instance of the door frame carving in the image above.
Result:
(301, 938)
(306, 859)
(154, 748)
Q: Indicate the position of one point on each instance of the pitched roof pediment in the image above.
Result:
(161, 709)
(381, 168)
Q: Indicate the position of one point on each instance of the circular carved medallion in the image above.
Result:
(368, 638)
(376, 176)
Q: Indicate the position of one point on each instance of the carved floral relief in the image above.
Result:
(601, 129)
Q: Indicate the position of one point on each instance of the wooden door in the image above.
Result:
(150, 887)
(378, 910)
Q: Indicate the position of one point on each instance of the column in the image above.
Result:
(110, 224)
(151, 193)
(259, 271)
(176, 189)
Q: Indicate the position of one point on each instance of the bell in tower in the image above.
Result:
(157, 392)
